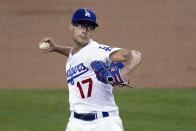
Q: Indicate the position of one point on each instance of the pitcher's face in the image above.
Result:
(82, 32)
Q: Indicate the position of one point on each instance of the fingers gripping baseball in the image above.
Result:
(47, 45)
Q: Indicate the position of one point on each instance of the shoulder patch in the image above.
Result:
(106, 48)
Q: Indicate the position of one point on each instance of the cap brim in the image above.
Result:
(87, 20)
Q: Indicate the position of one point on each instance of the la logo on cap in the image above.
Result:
(87, 13)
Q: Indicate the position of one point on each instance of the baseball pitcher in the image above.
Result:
(92, 71)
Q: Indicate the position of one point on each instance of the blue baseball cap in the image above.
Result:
(84, 14)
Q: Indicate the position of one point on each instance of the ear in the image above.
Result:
(70, 26)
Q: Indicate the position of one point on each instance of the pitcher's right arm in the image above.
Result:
(64, 50)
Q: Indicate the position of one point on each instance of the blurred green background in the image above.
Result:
(141, 109)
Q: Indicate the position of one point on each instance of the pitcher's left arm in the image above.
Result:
(130, 58)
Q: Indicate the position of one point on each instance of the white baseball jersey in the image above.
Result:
(86, 93)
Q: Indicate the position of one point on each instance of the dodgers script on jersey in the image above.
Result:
(86, 93)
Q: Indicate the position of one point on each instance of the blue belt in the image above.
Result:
(89, 116)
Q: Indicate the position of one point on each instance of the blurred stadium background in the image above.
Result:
(163, 30)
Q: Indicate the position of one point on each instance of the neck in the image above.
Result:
(78, 46)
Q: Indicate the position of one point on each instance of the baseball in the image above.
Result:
(44, 46)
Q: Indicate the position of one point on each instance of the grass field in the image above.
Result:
(141, 109)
